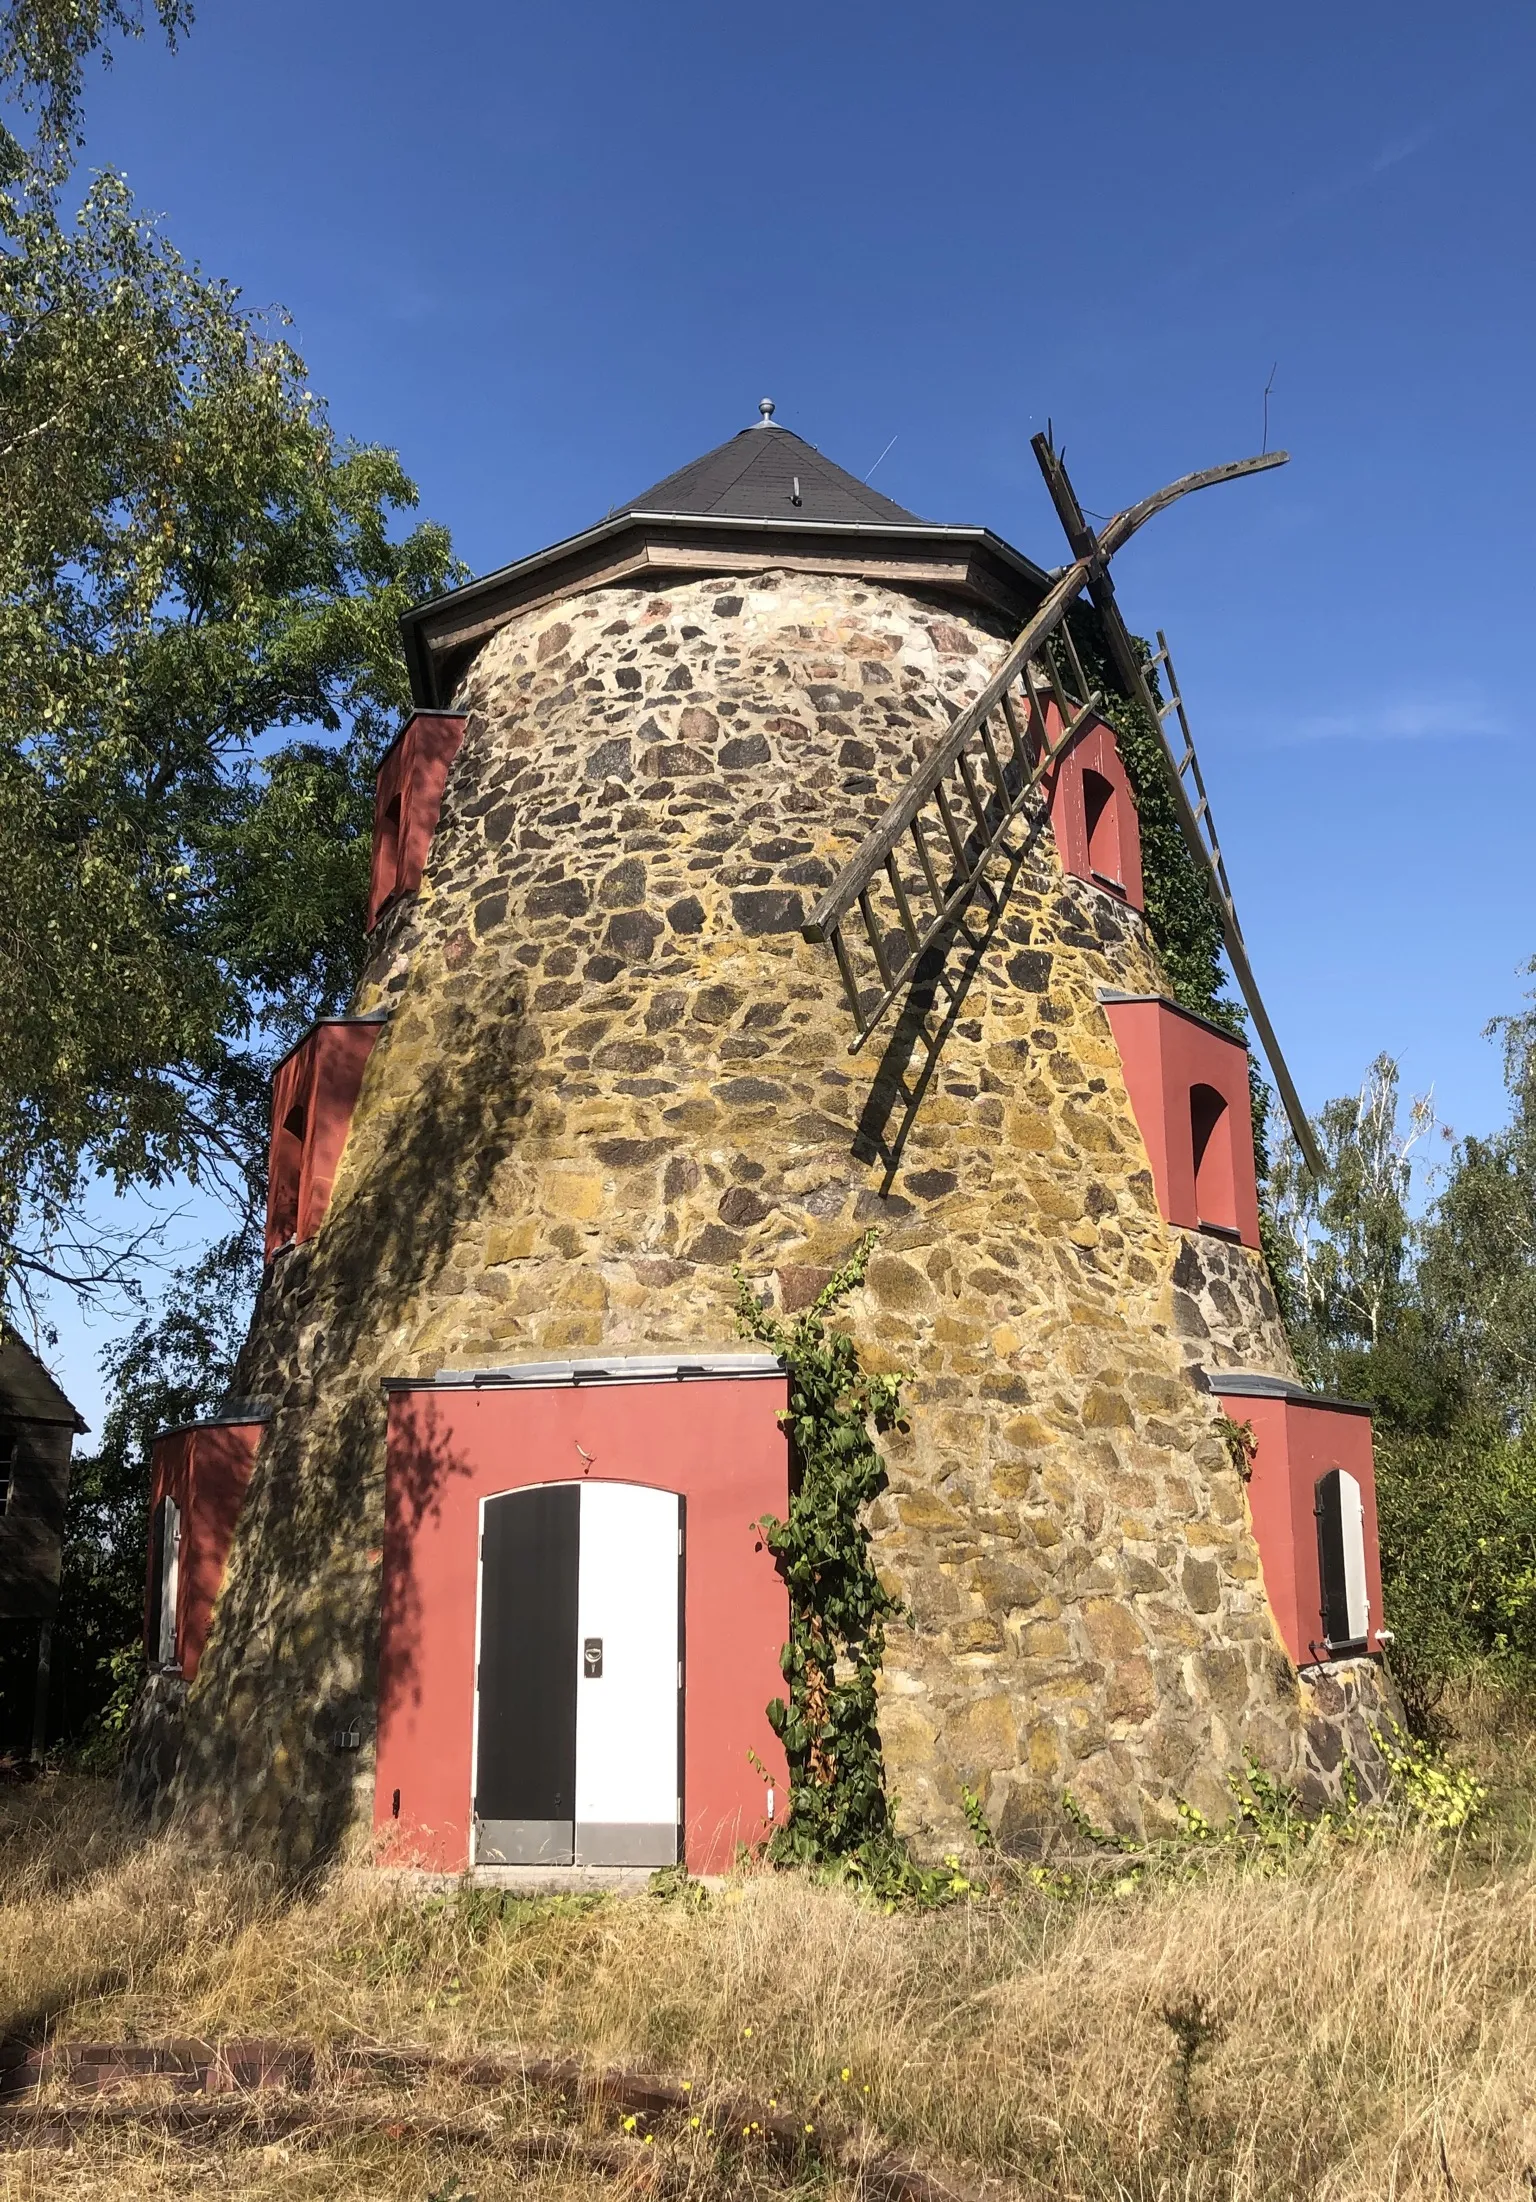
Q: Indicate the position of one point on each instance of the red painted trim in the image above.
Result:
(1171, 1062)
(1298, 1442)
(314, 1092)
(718, 1443)
(1098, 841)
(407, 799)
(206, 1472)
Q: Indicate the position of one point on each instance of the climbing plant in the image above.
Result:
(838, 1607)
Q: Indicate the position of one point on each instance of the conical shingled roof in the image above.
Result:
(753, 477)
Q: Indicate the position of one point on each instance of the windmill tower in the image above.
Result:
(759, 866)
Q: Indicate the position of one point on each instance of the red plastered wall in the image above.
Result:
(1297, 1442)
(1117, 843)
(407, 799)
(320, 1080)
(1165, 1054)
(205, 1469)
(718, 1443)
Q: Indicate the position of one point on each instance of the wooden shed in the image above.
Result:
(38, 1425)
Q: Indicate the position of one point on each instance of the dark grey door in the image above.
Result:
(525, 1760)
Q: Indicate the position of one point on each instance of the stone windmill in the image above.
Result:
(479, 1551)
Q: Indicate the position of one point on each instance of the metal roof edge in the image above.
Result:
(239, 1415)
(349, 1017)
(639, 1368)
(1261, 1384)
(1108, 994)
(417, 711)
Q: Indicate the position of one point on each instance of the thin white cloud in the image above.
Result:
(1436, 716)
(1404, 148)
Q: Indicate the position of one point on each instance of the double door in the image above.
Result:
(579, 1679)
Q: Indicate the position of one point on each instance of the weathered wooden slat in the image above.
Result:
(1031, 662)
(969, 878)
(973, 794)
(1059, 696)
(994, 762)
(956, 837)
(850, 983)
(1022, 755)
(923, 783)
(904, 908)
(925, 858)
(1080, 679)
(877, 945)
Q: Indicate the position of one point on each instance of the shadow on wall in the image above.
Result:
(896, 1094)
(421, 1463)
(293, 1655)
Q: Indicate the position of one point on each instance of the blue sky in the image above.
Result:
(551, 253)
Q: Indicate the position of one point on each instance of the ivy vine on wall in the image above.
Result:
(838, 1607)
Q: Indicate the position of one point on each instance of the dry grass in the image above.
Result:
(1361, 2026)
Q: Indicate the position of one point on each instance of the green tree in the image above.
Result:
(44, 48)
(199, 583)
(200, 588)
(1345, 1240)
(1477, 1275)
(1431, 1321)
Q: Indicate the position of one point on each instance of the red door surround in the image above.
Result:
(707, 1430)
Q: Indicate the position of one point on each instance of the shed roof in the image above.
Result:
(27, 1392)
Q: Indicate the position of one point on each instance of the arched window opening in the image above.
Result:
(1101, 813)
(1215, 1180)
(1346, 1609)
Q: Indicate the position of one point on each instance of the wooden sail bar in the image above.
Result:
(1088, 571)
(956, 810)
(927, 784)
(1195, 820)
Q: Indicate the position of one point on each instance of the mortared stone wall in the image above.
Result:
(612, 1069)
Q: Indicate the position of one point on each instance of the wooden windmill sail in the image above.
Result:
(919, 871)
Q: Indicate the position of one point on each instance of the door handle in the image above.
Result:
(592, 1658)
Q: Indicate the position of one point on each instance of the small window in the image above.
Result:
(1101, 813)
(7, 1472)
(1346, 1609)
(1215, 1185)
(167, 1579)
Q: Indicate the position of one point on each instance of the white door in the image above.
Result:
(1346, 1609)
(1352, 1525)
(170, 1579)
(628, 1676)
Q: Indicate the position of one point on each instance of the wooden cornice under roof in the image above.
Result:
(634, 547)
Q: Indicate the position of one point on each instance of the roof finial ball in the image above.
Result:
(765, 407)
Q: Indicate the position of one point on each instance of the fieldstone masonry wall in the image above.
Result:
(612, 1069)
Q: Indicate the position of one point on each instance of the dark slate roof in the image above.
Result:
(753, 478)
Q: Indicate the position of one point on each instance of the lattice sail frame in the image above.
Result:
(955, 813)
